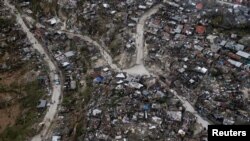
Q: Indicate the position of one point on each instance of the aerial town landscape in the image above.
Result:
(122, 70)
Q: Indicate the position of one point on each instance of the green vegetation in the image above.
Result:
(217, 20)
(5, 23)
(35, 6)
(79, 129)
(215, 72)
(115, 47)
(23, 126)
(34, 92)
(40, 7)
(84, 59)
(163, 100)
(240, 31)
(229, 28)
(87, 94)
(71, 101)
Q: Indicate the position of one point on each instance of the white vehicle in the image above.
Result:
(56, 79)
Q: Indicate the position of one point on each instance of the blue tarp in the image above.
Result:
(99, 79)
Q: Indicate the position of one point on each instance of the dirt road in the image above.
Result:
(56, 92)
(140, 33)
(191, 109)
(139, 68)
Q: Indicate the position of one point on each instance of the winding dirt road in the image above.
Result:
(56, 92)
(105, 54)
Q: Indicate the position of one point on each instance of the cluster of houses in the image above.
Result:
(192, 54)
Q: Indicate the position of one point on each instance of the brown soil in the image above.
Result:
(10, 78)
(8, 116)
(19, 77)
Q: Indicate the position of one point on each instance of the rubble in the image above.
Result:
(206, 55)
(190, 48)
(134, 110)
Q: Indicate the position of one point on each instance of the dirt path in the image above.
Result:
(228, 3)
(56, 92)
(191, 109)
(63, 17)
(105, 54)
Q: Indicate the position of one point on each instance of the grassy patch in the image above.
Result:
(67, 101)
(34, 92)
(115, 47)
(5, 23)
(241, 31)
(80, 130)
(217, 20)
(86, 94)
